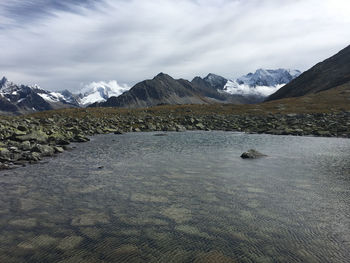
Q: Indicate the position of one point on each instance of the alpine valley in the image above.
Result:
(163, 89)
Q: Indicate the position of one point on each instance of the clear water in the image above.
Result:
(185, 197)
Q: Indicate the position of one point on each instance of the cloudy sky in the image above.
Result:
(67, 43)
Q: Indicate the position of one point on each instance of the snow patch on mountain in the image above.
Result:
(262, 83)
(268, 77)
(8, 88)
(52, 96)
(101, 91)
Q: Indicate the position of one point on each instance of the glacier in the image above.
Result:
(262, 83)
(100, 91)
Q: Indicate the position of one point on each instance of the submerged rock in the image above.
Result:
(90, 219)
(118, 132)
(213, 256)
(126, 253)
(58, 149)
(178, 214)
(69, 242)
(4, 166)
(160, 134)
(25, 223)
(80, 138)
(252, 154)
(191, 230)
(40, 241)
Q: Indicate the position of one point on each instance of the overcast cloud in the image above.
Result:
(62, 44)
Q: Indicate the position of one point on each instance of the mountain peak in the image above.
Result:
(268, 77)
(162, 75)
(3, 81)
(211, 75)
(215, 81)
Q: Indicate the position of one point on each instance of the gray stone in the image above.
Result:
(200, 126)
(58, 149)
(81, 138)
(180, 128)
(5, 154)
(252, 154)
(38, 136)
(26, 146)
(44, 150)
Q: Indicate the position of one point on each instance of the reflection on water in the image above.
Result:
(185, 197)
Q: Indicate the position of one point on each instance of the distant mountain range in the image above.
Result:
(261, 83)
(331, 73)
(162, 89)
(19, 99)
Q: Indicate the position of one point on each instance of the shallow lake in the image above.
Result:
(184, 197)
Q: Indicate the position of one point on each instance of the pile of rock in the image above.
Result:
(28, 140)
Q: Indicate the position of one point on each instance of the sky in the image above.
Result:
(66, 44)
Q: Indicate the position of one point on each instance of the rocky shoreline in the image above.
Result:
(27, 139)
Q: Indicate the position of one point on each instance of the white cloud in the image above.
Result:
(233, 87)
(133, 40)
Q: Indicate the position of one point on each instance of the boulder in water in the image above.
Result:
(252, 154)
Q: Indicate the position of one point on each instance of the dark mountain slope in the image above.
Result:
(325, 75)
(215, 81)
(205, 89)
(162, 89)
(7, 106)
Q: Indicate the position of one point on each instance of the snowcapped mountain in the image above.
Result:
(100, 92)
(250, 88)
(268, 77)
(262, 83)
(17, 99)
